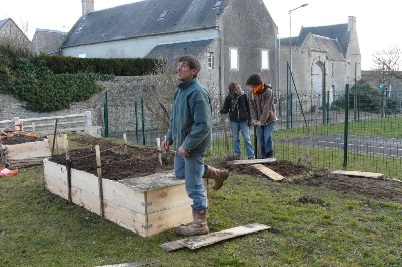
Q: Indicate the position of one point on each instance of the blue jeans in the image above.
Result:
(266, 141)
(191, 169)
(242, 127)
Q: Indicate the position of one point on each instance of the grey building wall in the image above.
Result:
(317, 58)
(251, 29)
(11, 33)
(47, 41)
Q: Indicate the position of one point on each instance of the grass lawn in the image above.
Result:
(40, 229)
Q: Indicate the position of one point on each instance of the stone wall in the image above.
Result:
(122, 92)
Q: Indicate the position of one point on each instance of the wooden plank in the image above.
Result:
(36, 149)
(132, 264)
(56, 178)
(268, 172)
(60, 141)
(252, 161)
(22, 163)
(360, 174)
(84, 190)
(205, 240)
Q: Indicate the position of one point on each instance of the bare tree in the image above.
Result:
(158, 97)
(388, 62)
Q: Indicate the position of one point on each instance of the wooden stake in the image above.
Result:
(99, 170)
(3, 162)
(158, 144)
(54, 135)
(125, 142)
(68, 165)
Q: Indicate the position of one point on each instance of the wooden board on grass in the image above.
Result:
(205, 240)
(360, 174)
(252, 161)
(268, 172)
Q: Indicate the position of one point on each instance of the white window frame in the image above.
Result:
(234, 58)
(264, 59)
(211, 60)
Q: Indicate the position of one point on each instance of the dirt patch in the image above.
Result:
(117, 161)
(140, 161)
(19, 139)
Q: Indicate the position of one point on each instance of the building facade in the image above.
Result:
(232, 38)
(12, 34)
(324, 60)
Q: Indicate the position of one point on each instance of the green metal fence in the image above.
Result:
(333, 134)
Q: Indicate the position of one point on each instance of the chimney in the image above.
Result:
(87, 6)
(351, 23)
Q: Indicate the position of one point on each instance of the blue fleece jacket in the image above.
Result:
(190, 122)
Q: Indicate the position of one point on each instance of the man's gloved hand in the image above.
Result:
(182, 152)
(165, 145)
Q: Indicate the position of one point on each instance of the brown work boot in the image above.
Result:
(218, 175)
(197, 227)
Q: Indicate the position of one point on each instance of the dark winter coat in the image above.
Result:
(238, 113)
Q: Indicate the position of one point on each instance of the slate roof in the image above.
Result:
(172, 51)
(143, 19)
(330, 46)
(2, 22)
(338, 32)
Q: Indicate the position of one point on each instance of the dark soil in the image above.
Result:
(19, 139)
(141, 161)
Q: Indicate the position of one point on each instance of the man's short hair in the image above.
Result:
(254, 80)
(192, 62)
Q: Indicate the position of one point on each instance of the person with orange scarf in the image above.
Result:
(263, 115)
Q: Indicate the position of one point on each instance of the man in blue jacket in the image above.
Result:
(190, 128)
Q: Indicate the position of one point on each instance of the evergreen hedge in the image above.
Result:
(50, 83)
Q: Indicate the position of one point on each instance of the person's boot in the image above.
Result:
(197, 227)
(219, 176)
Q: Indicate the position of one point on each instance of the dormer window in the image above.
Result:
(163, 14)
(80, 27)
(218, 3)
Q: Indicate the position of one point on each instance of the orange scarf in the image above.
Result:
(258, 89)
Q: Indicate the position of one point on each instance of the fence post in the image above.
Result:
(16, 120)
(328, 107)
(255, 143)
(88, 119)
(106, 116)
(324, 97)
(143, 122)
(346, 125)
(136, 120)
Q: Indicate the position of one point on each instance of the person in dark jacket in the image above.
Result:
(237, 105)
(263, 113)
(190, 128)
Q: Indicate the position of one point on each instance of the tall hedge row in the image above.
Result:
(111, 66)
(50, 83)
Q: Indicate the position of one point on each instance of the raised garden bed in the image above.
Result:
(24, 147)
(134, 189)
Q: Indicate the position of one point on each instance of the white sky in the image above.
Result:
(377, 22)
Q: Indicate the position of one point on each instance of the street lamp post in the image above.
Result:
(288, 103)
(290, 33)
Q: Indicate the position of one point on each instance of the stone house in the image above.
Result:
(11, 33)
(232, 38)
(47, 41)
(324, 59)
